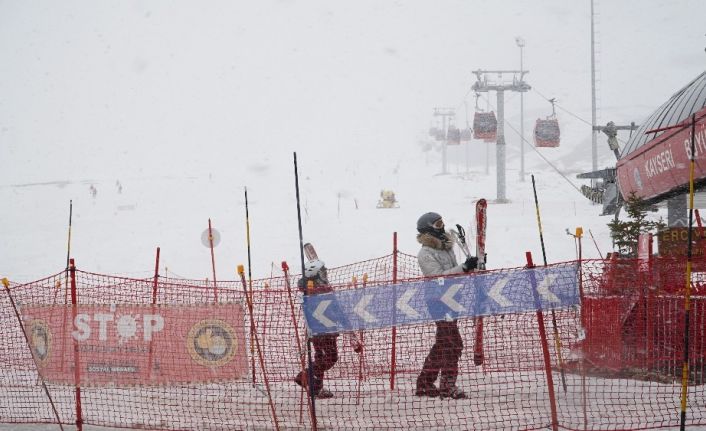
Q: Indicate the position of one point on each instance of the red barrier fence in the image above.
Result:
(186, 362)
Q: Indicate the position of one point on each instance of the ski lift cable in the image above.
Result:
(569, 112)
(561, 107)
(505, 122)
(464, 99)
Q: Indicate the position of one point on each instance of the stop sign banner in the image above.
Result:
(134, 345)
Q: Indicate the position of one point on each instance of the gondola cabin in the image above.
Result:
(485, 126)
(546, 133)
(454, 136)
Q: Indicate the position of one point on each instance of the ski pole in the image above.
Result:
(213, 262)
(310, 374)
(557, 341)
(66, 281)
(460, 235)
(68, 244)
(600, 254)
(250, 291)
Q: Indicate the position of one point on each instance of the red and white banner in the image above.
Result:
(662, 165)
(128, 345)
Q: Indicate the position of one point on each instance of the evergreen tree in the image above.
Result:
(625, 234)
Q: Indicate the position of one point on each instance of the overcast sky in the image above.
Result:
(108, 89)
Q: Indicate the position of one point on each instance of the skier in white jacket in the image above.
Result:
(436, 257)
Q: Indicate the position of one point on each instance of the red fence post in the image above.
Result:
(295, 324)
(545, 346)
(77, 359)
(393, 351)
(154, 302)
(249, 302)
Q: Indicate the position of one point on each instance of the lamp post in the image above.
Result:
(521, 43)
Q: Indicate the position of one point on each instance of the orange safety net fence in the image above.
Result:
(165, 355)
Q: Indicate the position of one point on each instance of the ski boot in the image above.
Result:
(449, 388)
(427, 391)
(454, 393)
(323, 394)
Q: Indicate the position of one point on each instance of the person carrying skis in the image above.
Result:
(436, 257)
(325, 346)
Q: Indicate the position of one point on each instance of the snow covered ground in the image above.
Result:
(183, 106)
(118, 233)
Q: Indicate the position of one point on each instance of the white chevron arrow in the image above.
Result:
(403, 304)
(448, 298)
(359, 309)
(496, 292)
(543, 289)
(319, 314)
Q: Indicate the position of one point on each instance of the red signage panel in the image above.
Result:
(128, 345)
(663, 163)
(673, 242)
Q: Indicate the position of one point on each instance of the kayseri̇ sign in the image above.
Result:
(662, 164)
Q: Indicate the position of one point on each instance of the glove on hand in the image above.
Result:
(470, 263)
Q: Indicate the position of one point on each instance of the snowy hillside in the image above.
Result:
(118, 233)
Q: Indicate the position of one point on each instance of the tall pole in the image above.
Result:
(594, 136)
(443, 150)
(310, 370)
(500, 147)
(521, 43)
(483, 84)
(687, 290)
(444, 113)
(467, 145)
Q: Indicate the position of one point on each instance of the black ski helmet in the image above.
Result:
(426, 222)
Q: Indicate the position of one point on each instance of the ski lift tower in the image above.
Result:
(444, 113)
(484, 83)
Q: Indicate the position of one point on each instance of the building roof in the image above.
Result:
(688, 100)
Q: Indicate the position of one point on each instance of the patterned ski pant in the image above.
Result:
(443, 357)
(325, 357)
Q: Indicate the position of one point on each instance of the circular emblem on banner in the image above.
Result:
(216, 238)
(211, 343)
(40, 339)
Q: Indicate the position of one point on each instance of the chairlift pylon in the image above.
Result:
(453, 136)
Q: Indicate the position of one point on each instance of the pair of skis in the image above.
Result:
(481, 218)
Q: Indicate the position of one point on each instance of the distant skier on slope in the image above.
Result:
(325, 347)
(436, 257)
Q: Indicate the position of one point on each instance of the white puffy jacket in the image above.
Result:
(437, 257)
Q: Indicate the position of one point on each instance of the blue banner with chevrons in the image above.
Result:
(443, 298)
